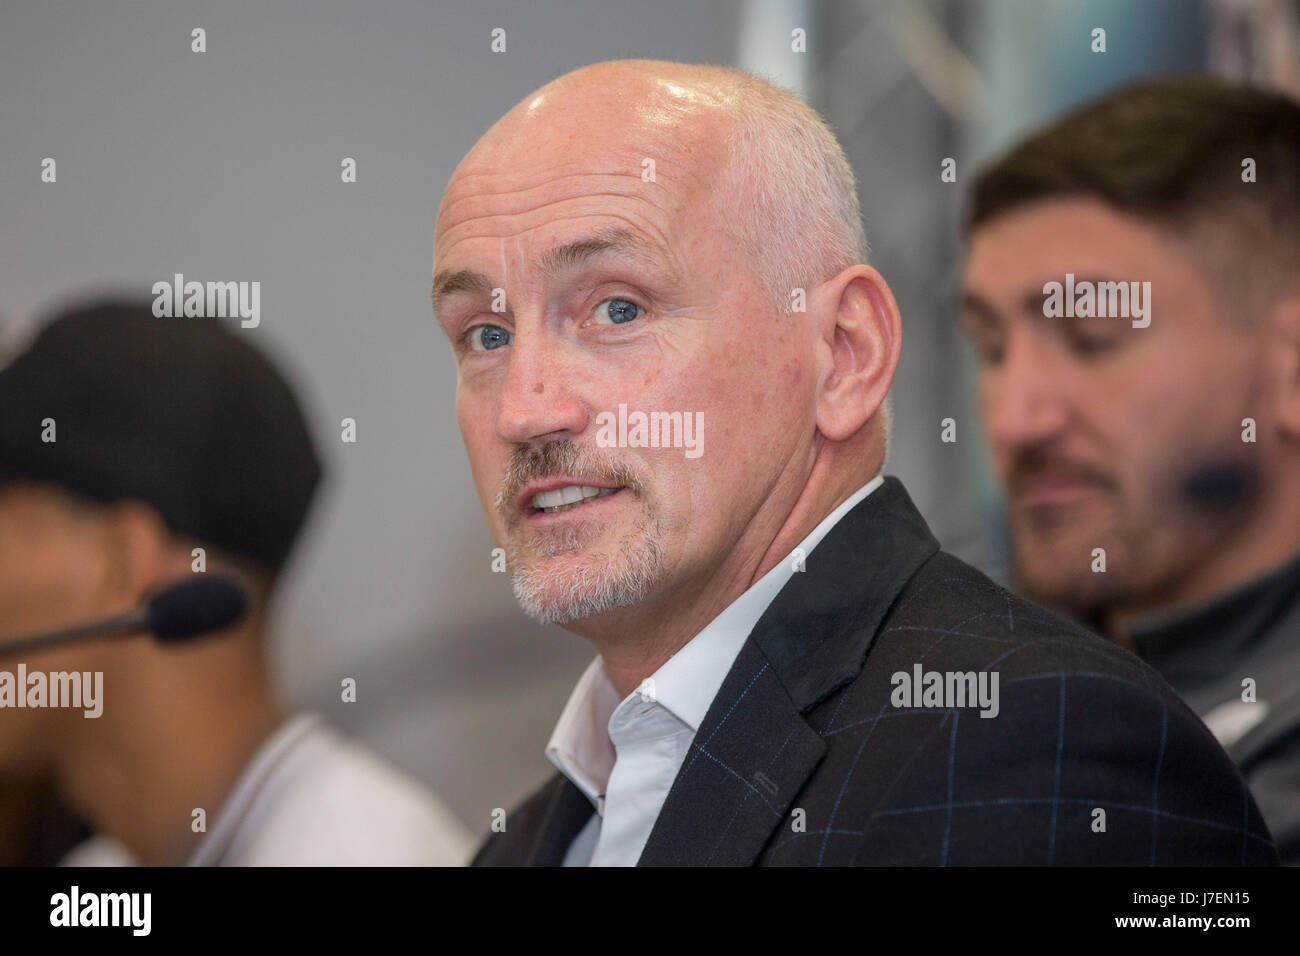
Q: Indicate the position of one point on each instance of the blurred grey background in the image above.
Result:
(225, 165)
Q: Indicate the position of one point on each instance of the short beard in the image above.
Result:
(1079, 592)
(564, 584)
(556, 591)
(1052, 565)
(1151, 550)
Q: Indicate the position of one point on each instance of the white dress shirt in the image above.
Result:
(624, 755)
(311, 797)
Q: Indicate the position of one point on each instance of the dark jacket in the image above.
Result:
(806, 757)
(1208, 653)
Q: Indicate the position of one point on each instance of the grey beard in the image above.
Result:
(600, 583)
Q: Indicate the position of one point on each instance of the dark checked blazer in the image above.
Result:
(804, 721)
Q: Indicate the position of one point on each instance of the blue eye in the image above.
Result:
(620, 311)
(485, 338)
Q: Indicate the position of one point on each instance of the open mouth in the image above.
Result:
(568, 498)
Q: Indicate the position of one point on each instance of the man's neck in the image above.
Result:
(151, 760)
(668, 622)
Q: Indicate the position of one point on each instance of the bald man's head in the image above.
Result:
(674, 242)
(787, 194)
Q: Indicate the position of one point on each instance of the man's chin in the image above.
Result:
(1067, 575)
(574, 586)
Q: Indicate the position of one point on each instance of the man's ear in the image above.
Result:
(138, 546)
(861, 350)
(1283, 350)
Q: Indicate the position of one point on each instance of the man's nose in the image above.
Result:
(537, 395)
(1025, 397)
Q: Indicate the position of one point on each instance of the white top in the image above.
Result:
(625, 755)
(311, 797)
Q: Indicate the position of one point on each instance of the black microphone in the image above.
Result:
(1219, 486)
(190, 609)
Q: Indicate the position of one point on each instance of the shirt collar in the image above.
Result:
(580, 747)
(686, 683)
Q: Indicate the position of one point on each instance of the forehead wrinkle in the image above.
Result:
(605, 240)
(485, 203)
(494, 177)
(642, 225)
(552, 172)
(563, 256)
(597, 203)
(454, 198)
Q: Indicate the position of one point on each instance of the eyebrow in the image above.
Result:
(1031, 304)
(565, 257)
(972, 303)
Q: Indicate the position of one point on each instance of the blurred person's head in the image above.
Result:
(1124, 432)
(135, 453)
(666, 238)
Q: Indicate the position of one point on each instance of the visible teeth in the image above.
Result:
(570, 496)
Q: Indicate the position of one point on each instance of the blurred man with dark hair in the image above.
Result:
(136, 452)
(1133, 292)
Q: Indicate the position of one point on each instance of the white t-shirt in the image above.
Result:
(311, 797)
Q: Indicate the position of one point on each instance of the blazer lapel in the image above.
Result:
(752, 754)
(820, 627)
(755, 751)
